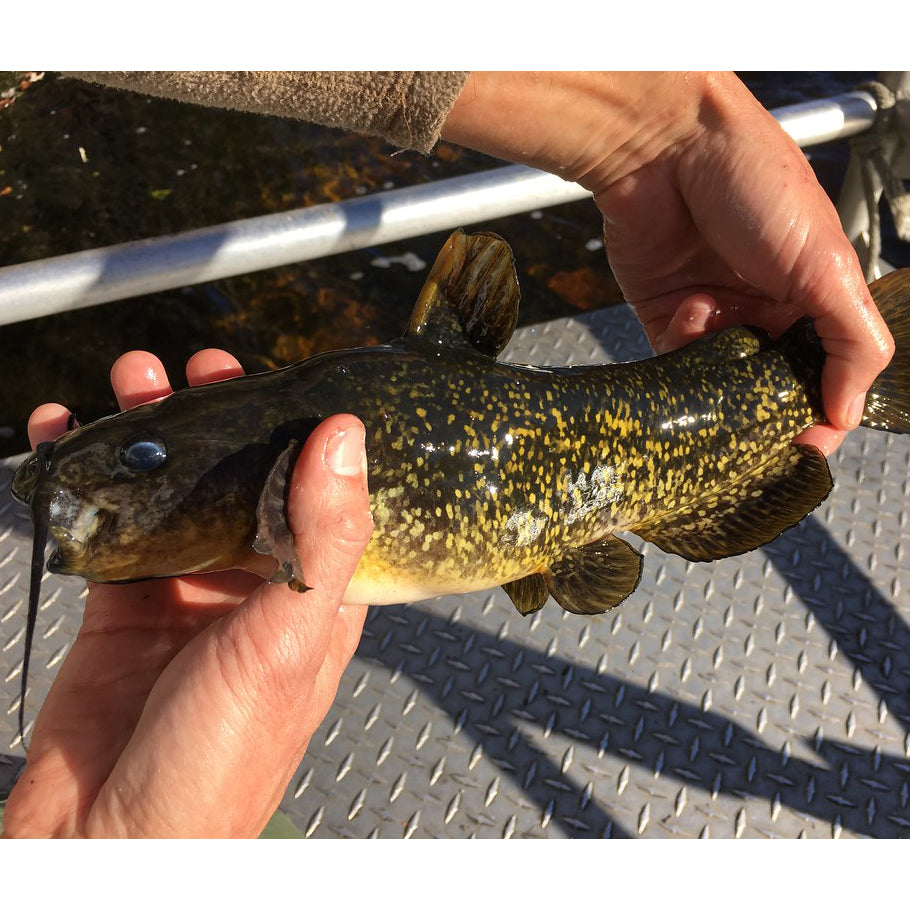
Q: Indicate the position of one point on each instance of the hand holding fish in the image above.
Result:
(712, 216)
(186, 704)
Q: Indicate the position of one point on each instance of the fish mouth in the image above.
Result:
(74, 540)
(68, 552)
(67, 517)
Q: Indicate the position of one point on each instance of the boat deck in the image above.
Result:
(759, 696)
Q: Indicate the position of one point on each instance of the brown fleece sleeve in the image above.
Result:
(406, 108)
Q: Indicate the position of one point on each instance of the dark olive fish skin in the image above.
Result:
(505, 468)
(474, 465)
(481, 473)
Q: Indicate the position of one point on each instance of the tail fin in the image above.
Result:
(888, 401)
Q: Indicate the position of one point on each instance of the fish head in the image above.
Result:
(160, 490)
(163, 489)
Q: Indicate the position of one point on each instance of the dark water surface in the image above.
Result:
(84, 167)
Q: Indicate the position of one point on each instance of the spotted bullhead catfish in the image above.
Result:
(481, 473)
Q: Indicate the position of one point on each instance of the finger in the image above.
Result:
(348, 629)
(691, 319)
(138, 378)
(806, 262)
(344, 640)
(212, 365)
(823, 437)
(859, 346)
(675, 319)
(47, 422)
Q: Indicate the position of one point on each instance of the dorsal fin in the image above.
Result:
(470, 296)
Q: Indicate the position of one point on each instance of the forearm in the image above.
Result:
(591, 127)
(406, 108)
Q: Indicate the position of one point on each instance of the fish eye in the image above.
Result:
(143, 454)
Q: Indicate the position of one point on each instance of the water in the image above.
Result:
(83, 167)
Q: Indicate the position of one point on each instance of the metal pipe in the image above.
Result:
(76, 280)
(814, 122)
(34, 289)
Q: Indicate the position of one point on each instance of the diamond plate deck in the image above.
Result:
(760, 696)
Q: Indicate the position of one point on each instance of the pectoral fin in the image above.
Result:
(753, 511)
(590, 579)
(273, 536)
(596, 577)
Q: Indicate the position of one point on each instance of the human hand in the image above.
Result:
(185, 705)
(712, 216)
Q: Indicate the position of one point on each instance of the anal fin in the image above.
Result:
(273, 536)
(752, 511)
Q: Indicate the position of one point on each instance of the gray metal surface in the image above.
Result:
(760, 696)
(34, 289)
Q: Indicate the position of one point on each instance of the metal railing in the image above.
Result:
(76, 280)
(863, 186)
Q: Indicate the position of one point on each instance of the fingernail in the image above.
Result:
(344, 452)
(855, 411)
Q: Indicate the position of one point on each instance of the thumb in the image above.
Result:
(328, 507)
(329, 516)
